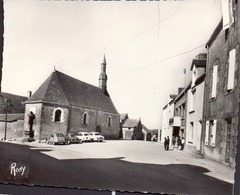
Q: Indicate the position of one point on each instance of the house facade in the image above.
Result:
(222, 88)
(65, 104)
(132, 129)
(167, 114)
(195, 96)
(178, 120)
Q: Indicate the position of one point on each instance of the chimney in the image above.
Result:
(29, 94)
(201, 56)
(180, 90)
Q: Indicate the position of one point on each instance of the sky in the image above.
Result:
(147, 45)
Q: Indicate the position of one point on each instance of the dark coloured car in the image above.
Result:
(71, 138)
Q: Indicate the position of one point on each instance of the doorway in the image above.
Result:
(228, 139)
(98, 129)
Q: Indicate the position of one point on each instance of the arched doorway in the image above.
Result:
(98, 129)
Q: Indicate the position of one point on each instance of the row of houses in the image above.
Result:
(205, 112)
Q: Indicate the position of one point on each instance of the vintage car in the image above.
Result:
(71, 138)
(96, 136)
(56, 138)
(83, 136)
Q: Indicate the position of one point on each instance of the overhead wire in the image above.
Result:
(165, 59)
(150, 28)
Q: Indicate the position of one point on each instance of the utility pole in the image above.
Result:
(6, 102)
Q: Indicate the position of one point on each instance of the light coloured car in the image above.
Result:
(71, 138)
(83, 136)
(56, 138)
(96, 136)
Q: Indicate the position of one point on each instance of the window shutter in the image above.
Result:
(213, 133)
(231, 17)
(226, 14)
(206, 132)
(231, 69)
(214, 81)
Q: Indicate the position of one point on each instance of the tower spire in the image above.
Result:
(104, 59)
(103, 76)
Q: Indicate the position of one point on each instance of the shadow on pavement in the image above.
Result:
(108, 174)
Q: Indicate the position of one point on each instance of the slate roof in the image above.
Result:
(64, 90)
(215, 33)
(16, 103)
(11, 117)
(200, 79)
(123, 115)
(172, 96)
(145, 128)
(130, 123)
(198, 63)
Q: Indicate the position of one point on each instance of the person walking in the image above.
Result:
(179, 143)
(165, 143)
(173, 142)
(182, 143)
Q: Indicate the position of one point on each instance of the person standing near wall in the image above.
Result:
(182, 143)
(31, 118)
(179, 142)
(167, 143)
(173, 142)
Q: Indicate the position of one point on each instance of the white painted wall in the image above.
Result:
(195, 117)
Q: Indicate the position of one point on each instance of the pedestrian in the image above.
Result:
(182, 143)
(153, 138)
(173, 142)
(167, 143)
(179, 143)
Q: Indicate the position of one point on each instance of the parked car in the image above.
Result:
(71, 138)
(83, 136)
(56, 138)
(96, 136)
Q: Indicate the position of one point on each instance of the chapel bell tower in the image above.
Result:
(103, 77)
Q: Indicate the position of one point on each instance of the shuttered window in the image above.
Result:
(213, 132)
(227, 12)
(207, 133)
(214, 81)
(231, 69)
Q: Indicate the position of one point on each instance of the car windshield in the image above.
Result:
(86, 134)
(59, 135)
(71, 134)
(97, 133)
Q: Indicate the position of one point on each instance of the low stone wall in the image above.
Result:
(13, 130)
